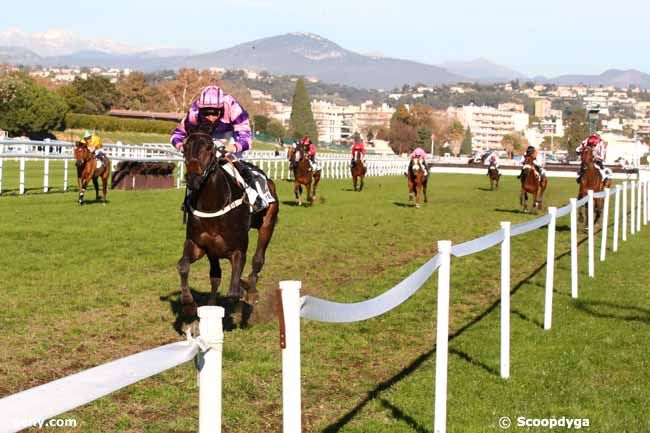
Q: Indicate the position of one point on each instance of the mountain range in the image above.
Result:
(289, 54)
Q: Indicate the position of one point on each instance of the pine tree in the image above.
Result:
(302, 119)
(466, 147)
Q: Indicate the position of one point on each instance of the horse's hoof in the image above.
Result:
(252, 298)
(189, 310)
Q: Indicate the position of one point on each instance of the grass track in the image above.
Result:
(82, 286)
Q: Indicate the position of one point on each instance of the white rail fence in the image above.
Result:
(333, 166)
(51, 399)
(26, 408)
(313, 308)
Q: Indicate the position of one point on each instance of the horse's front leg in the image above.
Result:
(297, 192)
(361, 183)
(424, 192)
(96, 185)
(523, 200)
(237, 261)
(191, 253)
(308, 188)
(354, 182)
(82, 191)
(215, 279)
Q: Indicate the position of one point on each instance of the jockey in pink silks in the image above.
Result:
(421, 156)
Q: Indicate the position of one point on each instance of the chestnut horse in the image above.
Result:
(494, 177)
(591, 179)
(302, 173)
(87, 169)
(218, 223)
(417, 177)
(532, 183)
(358, 169)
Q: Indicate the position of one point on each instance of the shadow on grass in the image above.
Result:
(517, 211)
(201, 298)
(398, 204)
(400, 415)
(417, 362)
(608, 310)
(480, 188)
(522, 316)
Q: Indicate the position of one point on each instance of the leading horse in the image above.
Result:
(495, 176)
(417, 177)
(303, 173)
(87, 169)
(533, 183)
(358, 170)
(219, 220)
(591, 180)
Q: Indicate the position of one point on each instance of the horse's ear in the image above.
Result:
(205, 127)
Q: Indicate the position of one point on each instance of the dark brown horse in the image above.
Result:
(218, 223)
(302, 173)
(494, 176)
(417, 180)
(531, 182)
(87, 169)
(358, 169)
(591, 179)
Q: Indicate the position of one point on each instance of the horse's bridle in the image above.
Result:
(214, 161)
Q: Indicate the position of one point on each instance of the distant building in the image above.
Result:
(488, 124)
(542, 108)
(511, 106)
(620, 146)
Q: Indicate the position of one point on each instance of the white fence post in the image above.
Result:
(624, 213)
(211, 328)
(65, 175)
(180, 174)
(616, 217)
(442, 337)
(603, 242)
(574, 247)
(291, 399)
(645, 203)
(590, 231)
(22, 176)
(639, 203)
(505, 300)
(46, 170)
(632, 208)
(0, 172)
(550, 268)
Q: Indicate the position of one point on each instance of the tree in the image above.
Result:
(134, 92)
(466, 147)
(456, 134)
(513, 142)
(75, 102)
(186, 86)
(577, 128)
(302, 119)
(101, 93)
(261, 123)
(29, 109)
(275, 129)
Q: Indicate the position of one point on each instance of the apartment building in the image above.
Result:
(488, 124)
(542, 108)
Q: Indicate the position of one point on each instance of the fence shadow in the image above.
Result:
(608, 310)
(400, 204)
(417, 362)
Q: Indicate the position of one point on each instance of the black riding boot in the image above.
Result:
(247, 175)
(580, 173)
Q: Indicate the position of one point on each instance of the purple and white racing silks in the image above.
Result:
(235, 120)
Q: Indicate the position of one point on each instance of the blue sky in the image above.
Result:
(550, 38)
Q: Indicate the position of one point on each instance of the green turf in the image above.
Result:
(85, 285)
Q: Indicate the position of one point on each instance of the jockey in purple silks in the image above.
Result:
(218, 108)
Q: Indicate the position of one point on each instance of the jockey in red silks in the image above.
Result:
(599, 148)
(358, 147)
(229, 120)
(532, 152)
(421, 156)
(306, 141)
(493, 160)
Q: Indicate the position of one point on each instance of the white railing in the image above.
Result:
(312, 308)
(21, 410)
(333, 165)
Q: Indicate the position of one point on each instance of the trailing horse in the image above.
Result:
(533, 183)
(591, 180)
(358, 169)
(495, 176)
(303, 173)
(417, 178)
(219, 220)
(87, 169)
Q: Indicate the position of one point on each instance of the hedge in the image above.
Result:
(109, 123)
